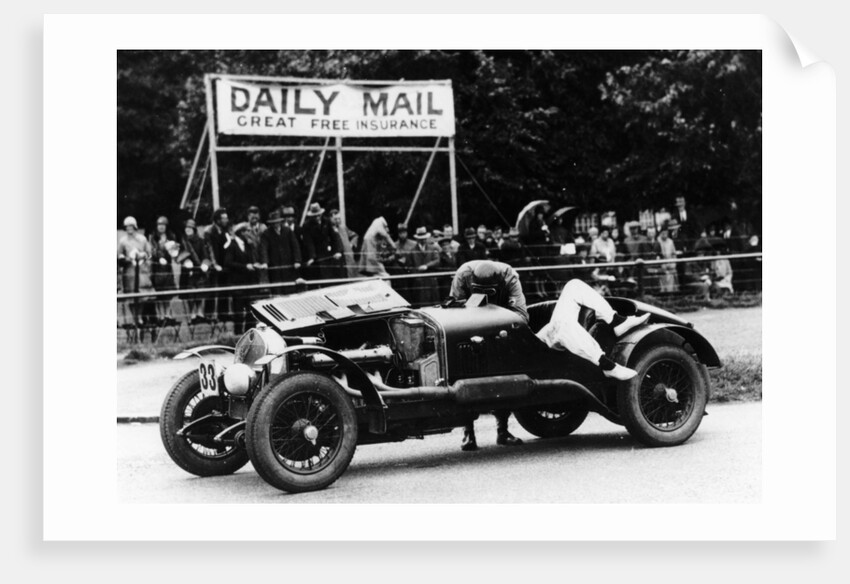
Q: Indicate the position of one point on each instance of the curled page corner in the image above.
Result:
(806, 56)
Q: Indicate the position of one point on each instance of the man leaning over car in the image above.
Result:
(500, 283)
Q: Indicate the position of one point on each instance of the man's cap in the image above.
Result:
(288, 211)
(253, 209)
(469, 232)
(130, 220)
(402, 227)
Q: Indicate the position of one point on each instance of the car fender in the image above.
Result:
(199, 351)
(357, 379)
(673, 334)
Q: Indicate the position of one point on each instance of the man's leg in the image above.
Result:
(565, 330)
(503, 437)
(468, 443)
(577, 293)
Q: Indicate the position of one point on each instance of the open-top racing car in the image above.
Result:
(327, 370)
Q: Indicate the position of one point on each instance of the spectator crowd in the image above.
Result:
(279, 251)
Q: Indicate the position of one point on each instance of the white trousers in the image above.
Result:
(564, 331)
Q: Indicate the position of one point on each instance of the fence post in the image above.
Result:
(639, 273)
(136, 317)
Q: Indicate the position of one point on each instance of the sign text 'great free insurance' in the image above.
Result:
(282, 109)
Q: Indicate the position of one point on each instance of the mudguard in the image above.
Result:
(199, 351)
(673, 334)
(357, 379)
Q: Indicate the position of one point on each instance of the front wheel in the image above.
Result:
(197, 452)
(664, 404)
(301, 432)
(552, 421)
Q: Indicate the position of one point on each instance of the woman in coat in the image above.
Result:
(134, 253)
(164, 252)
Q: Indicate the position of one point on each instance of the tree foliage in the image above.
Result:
(619, 130)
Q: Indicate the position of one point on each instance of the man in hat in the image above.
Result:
(279, 249)
(401, 260)
(512, 251)
(254, 236)
(424, 257)
(240, 262)
(471, 249)
(344, 265)
(193, 268)
(319, 247)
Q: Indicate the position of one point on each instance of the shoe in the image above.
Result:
(469, 444)
(507, 439)
(620, 373)
(630, 323)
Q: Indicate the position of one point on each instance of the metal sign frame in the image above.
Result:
(210, 136)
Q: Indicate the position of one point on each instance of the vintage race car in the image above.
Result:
(328, 370)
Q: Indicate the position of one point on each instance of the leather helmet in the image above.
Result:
(485, 278)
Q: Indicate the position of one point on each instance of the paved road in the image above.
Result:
(600, 463)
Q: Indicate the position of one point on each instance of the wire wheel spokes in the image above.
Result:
(200, 438)
(552, 415)
(667, 395)
(306, 432)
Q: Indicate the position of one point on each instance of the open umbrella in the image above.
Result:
(526, 215)
(568, 214)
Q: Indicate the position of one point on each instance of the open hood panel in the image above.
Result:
(317, 307)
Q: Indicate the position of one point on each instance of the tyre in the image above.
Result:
(664, 404)
(197, 454)
(552, 421)
(301, 432)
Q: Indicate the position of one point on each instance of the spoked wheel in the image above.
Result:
(301, 432)
(665, 403)
(552, 421)
(195, 450)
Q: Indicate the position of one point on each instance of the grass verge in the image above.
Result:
(738, 380)
(676, 304)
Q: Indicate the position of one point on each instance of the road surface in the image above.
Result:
(600, 463)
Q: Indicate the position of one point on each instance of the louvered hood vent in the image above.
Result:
(316, 307)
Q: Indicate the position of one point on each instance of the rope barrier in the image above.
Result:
(418, 275)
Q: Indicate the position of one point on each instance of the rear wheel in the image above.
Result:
(301, 432)
(552, 421)
(664, 404)
(197, 452)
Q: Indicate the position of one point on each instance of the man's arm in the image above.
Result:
(516, 299)
(460, 283)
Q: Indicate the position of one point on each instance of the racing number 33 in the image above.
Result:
(208, 373)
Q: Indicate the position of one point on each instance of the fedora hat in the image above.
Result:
(314, 210)
(275, 217)
(421, 233)
(469, 232)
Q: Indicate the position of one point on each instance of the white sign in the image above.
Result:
(277, 108)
